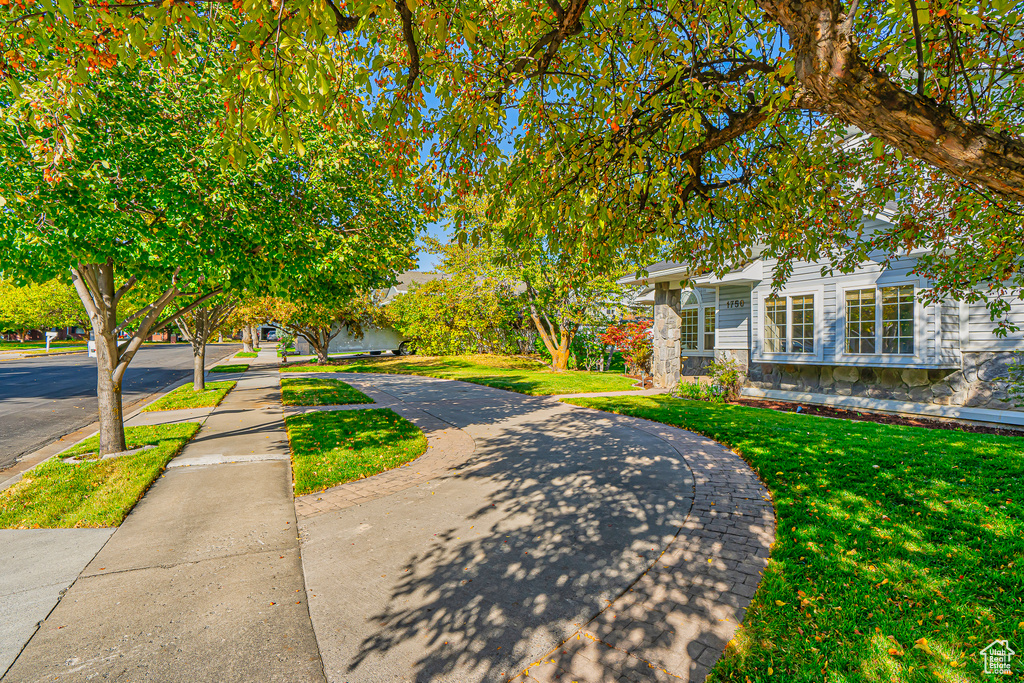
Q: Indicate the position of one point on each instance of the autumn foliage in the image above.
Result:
(635, 342)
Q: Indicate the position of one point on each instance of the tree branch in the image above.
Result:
(841, 84)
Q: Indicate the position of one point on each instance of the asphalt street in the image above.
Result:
(42, 399)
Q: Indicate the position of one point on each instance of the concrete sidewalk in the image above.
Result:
(203, 581)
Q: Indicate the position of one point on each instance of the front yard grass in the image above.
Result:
(337, 446)
(523, 375)
(94, 493)
(238, 367)
(314, 391)
(899, 552)
(184, 397)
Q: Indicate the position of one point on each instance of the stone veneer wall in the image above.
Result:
(665, 365)
(696, 365)
(980, 383)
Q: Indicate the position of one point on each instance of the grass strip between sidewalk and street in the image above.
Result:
(338, 446)
(246, 354)
(93, 493)
(184, 398)
(238, 367)
(522, 375)
(898, 554)
(315, 391)
(54, 345)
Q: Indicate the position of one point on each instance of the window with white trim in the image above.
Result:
(709, 328)
(789, 323)
(696, 324)
(775, 327)
(887, 328)
(802, 308)
(688, 329)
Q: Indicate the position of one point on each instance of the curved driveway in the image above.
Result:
(534, 540)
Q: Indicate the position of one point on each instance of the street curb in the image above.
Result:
(15, 472)
(23, 356)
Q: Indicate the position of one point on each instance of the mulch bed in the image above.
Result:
(648, 381)
(882, 418)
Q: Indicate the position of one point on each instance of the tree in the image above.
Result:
(39, 306)
(471, 307)
(695, 130)
(146, 198)
(198, 326)
(562, 295)
(320, 317)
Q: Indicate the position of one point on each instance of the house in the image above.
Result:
(375, 340)
(860, 340)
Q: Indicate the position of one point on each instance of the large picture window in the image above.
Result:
(789, 324)
(887, 328)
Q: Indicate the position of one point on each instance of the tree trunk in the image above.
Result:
(108, 391)
(247, 339)
(838, 81)
(255, 334)
(199, 365)
(320, 348)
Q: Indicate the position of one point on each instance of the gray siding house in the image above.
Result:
(862, 340)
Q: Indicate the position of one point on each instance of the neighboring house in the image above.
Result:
(375, 340)
(862, 340)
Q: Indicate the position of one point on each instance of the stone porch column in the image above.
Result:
(665, 366)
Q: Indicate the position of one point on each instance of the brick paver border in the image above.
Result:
(674, 622)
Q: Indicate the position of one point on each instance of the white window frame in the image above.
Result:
(819, 327)
(920, 323)
(702, 306)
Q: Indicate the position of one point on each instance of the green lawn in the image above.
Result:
(184, 397)
(238, 367)
(900, 550)
(14, 346)
(313, 391)
(247, 354)
(97, 493)
(523, 375)
(333, 447)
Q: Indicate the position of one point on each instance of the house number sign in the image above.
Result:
(736, 303)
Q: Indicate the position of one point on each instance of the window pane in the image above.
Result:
(803, 323)
(775, 325)
(860, 321)
(688, 330)
(709, 328)
(898, 319)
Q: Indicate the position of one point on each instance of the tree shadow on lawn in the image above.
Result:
(559, 513)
